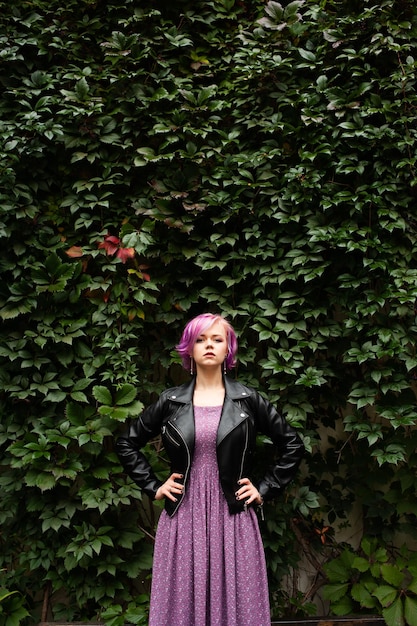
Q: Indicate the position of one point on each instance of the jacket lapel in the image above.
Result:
(231, 416)
(184, 417)
(232, 413)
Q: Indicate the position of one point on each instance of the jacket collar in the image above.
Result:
(232, 414)
(234, 391)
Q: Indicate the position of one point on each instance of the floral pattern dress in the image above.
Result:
(209, 565)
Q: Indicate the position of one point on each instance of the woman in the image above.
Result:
(209, 566)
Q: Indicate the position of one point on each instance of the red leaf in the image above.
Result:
(110, 244)
(74, 252)
(125, 253)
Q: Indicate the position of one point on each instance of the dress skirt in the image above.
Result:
(209, 566)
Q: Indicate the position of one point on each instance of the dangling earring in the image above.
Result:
(225, 366)
(191, 366)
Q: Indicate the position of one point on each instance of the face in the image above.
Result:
(210, 348)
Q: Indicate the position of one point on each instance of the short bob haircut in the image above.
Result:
(197, 326)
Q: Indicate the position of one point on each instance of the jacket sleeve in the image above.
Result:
(128, 447)
(289, 447)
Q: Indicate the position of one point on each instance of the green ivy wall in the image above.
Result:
(161, 159)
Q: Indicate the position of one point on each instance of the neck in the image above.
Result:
(209, 379)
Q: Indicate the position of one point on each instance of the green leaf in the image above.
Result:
(410, 610)
(102, 395)
(79, 396)
(307, 54)
(339, 570)
(115, 413)
(344, 606)
(392, 575)
(125, 395)
(361, 594)
(82, 89)
(386, 594)
(43, 480)
(394, 615)
(335, 592)
(361, 564)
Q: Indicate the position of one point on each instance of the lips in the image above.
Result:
(209, 354)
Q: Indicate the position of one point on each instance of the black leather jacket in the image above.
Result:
(245, 413)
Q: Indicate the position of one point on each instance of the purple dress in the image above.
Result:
(209, 566)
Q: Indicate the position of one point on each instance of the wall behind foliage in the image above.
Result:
(162, 159)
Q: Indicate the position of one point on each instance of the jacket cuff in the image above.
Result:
(152, 488)
(266, 491)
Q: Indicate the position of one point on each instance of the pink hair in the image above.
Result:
(199, 325)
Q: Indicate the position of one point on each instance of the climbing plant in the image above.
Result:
(162, 159)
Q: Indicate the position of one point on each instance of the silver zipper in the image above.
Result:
(245, 505)
(244, 451)
(188, 457)
(170, 437)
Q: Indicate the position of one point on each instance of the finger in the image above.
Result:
(169, 495)
(174, 488)
(247, 489)
(245, 484)
(248, 493)
(255, 497)
(243, 494)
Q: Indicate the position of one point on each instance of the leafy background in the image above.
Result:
(163, 159)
